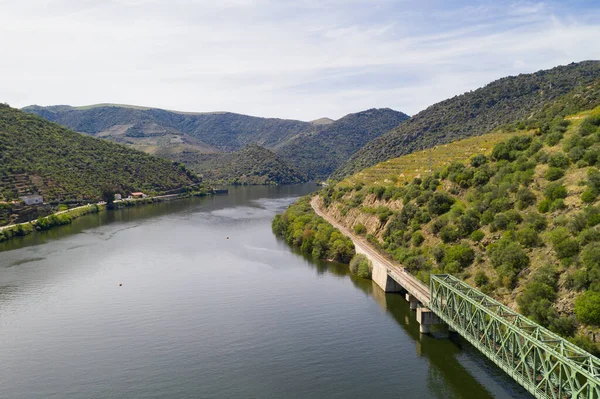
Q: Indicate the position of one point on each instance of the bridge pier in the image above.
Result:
(426, 319)
(383, 280)
(412, 301)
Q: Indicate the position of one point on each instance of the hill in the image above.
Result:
(38, 156)
(321, 153)
(514, 213)
(224, 131)
(503, 101)
(251, 165)
(316, 148)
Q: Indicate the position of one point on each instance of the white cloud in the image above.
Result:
(294, 59)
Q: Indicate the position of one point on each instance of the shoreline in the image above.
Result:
(65, 217)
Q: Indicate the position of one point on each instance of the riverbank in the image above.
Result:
(65, 217)
(48, 222)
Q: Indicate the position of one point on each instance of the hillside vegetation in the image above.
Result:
(320, 154)
(516, 214)
(224, 131)
(315, 148)
(251, 165)
(37, 156)
(503, 101)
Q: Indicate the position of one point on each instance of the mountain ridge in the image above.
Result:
(476, 112)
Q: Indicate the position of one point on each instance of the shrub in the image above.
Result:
(536, 302)
(563, 325)
(477, 235)
(481, 279)
(449, 233)
(544, 205)
(591, 256)
(529, 238)
(588, 196)
(440, 203)
(360, 229)
(557, 204)
(525, 198)
(559, 160)
(564, 245)
(383, 214)
(438, 253)
(478, 160)
(554, 173)
(466, 224)
(555, 191)
(577, 279)
(537, 221)
(360, 266)
(586, 344)
(506, 252)
(417, 238)
(553, 138)
(463, 254)
(587, 308)
(587, 236)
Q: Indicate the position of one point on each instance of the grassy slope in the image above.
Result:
(474, 113)
(40, 156)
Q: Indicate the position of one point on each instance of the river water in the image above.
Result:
(202, 316)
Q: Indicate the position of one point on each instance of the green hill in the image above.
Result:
(37, 156)
(321, 153)
(316, 148)
(474, 113)
(251, 165)
(515, 212)
(225, 131)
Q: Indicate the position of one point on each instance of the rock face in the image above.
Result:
(355, 216)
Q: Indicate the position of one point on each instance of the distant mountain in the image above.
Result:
(321, 153)
(322, 121)
(316, 148)
(251, 165)
(37, 156)
(474, 113)
(222, 131)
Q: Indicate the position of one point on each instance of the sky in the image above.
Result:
(297, 59)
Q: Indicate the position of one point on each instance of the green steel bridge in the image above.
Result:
(545, 364)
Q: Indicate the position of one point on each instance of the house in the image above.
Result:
(138, 195)
(32, 199)
(118, 197)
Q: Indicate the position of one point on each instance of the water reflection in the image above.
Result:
(471, 375)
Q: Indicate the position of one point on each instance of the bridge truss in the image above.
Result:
(547, 365)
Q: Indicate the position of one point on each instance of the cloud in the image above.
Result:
(295, 59)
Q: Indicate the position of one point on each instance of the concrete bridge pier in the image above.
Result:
(412, 301)
(383, 280)
(426, 319)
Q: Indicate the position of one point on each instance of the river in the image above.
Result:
(201, 315)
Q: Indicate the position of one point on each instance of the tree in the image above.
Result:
(587, 308)
(440, 203)
(108, 196)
